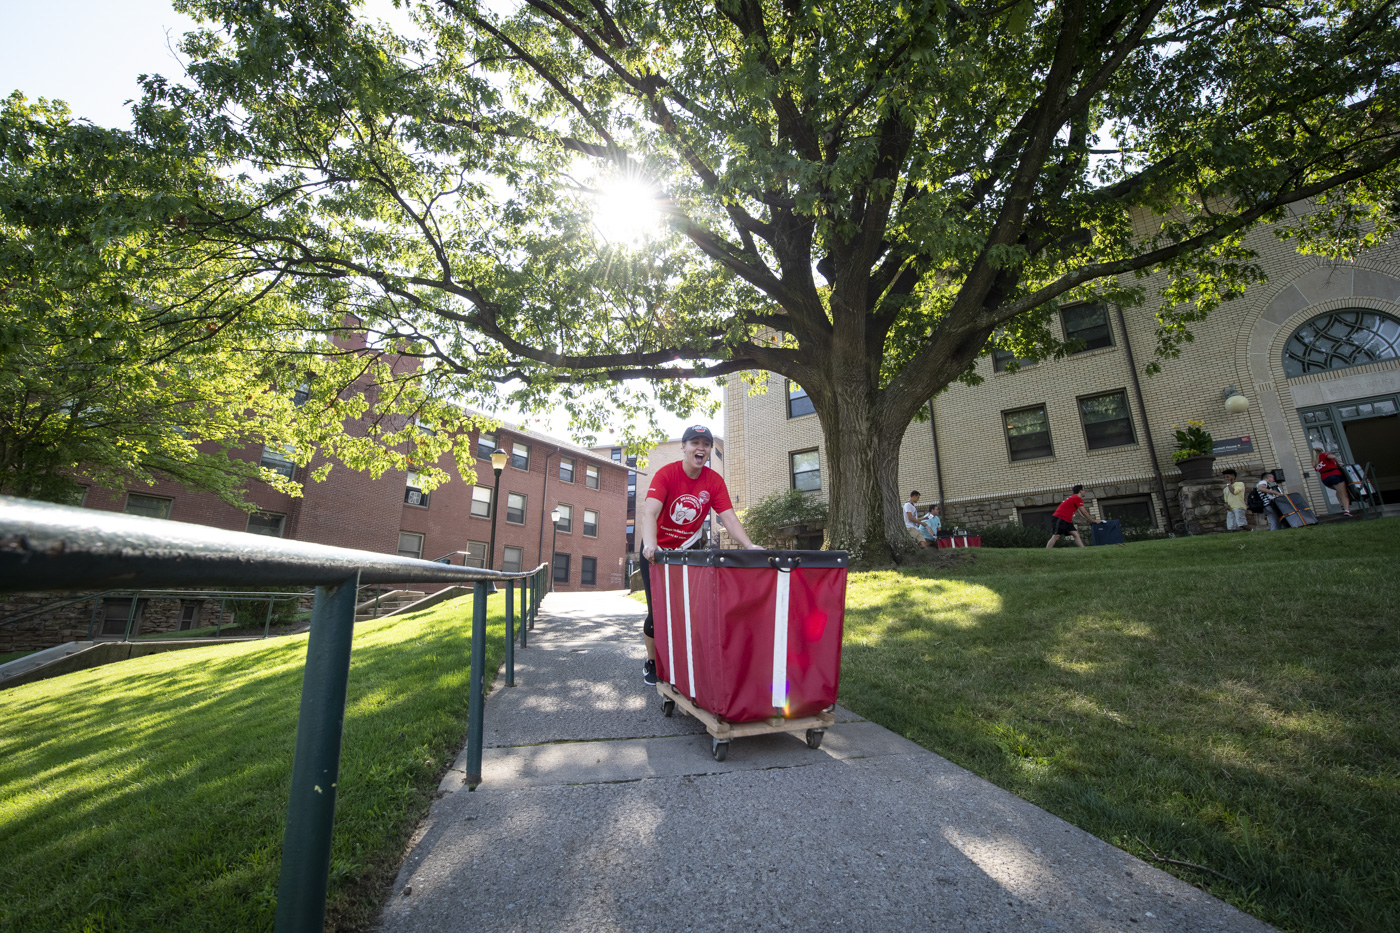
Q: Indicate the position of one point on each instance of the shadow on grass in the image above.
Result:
(1238, 715)
(152, 794)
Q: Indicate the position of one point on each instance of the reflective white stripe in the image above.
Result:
(780, 640)
(689, 642)
(670, 632)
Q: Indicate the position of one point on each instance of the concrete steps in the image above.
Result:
(388, 603)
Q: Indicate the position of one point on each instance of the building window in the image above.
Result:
(566, 518)
(279, 460)
(1028, 433)
(798, 403)
(631, 488)
(1132, 511)
(414, 494)
(617, 455)
(302, 393)
(1086, 327)
(1340, 339)
(590, 523)
(476, 555)
(485, 445)
(410, 545)
(566, 469)
(115, 613)
(1105, 419)
(149, 506)
(1043, 518)
(1003, 360)
(631, 537)
(481, 501)
(588, 572)
(189, 614)
(805, 470)
(515, 508)
(520, 455)
(512, 559)
(590, 476)
(561, 567)
(266, 523)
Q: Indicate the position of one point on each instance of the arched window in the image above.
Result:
(1339, 339)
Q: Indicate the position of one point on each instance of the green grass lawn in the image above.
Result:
(1230, 701)
(151, 794)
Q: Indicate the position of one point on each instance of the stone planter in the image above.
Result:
(1195, 469)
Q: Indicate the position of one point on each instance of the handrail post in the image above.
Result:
(306, 846)
(131, 615)
(267, 623)
(92, 623)
(219, 626)
(475, 681)
(524, 611)
(510, 633)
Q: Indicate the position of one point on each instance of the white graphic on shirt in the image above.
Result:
(686, 509)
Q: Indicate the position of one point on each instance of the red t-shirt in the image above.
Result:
(685, 502)
(1068, 508)
(1327, 465)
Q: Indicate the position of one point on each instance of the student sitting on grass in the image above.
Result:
(929, 527)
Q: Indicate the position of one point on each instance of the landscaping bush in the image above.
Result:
(764, 519)
(1014, 534)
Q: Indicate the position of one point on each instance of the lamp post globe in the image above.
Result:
(554, 516)
(498, 463)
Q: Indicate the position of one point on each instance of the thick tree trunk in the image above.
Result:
(865, 510)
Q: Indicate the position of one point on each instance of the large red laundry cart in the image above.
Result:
(749, 642)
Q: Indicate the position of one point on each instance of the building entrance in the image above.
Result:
(1362, 431)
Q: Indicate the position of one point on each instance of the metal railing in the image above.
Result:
(46, 548)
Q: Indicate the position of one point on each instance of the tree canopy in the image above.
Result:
(860, 196)
(131, 348)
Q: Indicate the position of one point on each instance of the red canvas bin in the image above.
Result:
(749, 635)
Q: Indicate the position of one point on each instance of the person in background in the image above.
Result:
(911, 516)
(673, 515)
(1236, 515)
(1269, 491)
(1330, 472)
(929, 527)
(1065, 515)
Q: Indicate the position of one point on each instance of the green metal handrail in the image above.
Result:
(46, 547)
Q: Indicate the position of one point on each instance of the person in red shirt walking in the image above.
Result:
(673, 516)
(1065, 515)
(1330, 472)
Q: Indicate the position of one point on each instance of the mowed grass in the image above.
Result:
(1230, 701)
(151, 794)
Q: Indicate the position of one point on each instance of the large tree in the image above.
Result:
(860, 196)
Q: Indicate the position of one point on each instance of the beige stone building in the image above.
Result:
(1315, 351)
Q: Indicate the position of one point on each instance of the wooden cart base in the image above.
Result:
(722, 730)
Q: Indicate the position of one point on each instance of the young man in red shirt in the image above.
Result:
(673, 515)
(1065, 515)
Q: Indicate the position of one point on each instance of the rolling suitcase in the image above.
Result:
(1293, 510)
(1107, 532)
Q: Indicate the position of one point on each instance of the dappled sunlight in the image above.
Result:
(891, 605)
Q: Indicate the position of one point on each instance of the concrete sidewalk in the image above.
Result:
(596, 813)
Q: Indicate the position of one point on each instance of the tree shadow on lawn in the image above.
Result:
(154, 796)
(1251, 734)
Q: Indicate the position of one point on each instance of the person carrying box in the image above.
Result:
(681, 495)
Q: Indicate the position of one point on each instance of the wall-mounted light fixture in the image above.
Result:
(1235, 403)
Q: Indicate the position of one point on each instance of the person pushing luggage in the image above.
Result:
(679, 498)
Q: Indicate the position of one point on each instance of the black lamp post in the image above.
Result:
(554, 517)
(498, 463)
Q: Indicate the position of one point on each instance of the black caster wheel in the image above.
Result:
(720, 749)
(668, 707)
(814, 737)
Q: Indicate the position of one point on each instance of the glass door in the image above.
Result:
(1360, 431)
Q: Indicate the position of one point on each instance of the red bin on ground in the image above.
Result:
(750, 635)
(960, 541)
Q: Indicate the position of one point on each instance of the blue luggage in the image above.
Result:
(1107, 532)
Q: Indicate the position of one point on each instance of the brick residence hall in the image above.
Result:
(388, 515)
(1314, 351)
